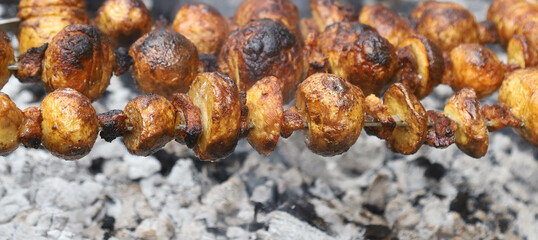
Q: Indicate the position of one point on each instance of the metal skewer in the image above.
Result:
(10, 24)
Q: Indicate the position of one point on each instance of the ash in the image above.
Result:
(366, 193)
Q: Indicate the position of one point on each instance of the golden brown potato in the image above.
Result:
(521, 52)
(265, 112)
(334, 111)
(327, 12)
(400, 102)
(79, 57)
(123, 21)
(217, 97)
(446, 24)
(477, 67)
(421, 65)
(43, 19)
(260, 49)
(472, 135)
(153, 119)
(7, 58)
(166, 62)
(387, 23)
(315, 61)
(202, 25)
(511, 15)
(359, 54)
(69, 125)
(519, 91)
(11, 119)
(282, 11)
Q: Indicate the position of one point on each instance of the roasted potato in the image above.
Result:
(79, 57)
(334, 111)
(202, 25)
(69, 125)
(472, 134)
(123, 21)
(43, 19)
(519, 91)
(315, 61)
(387, 23)
(189, 118)
(7, 58)
(11, 119)
(260, 49)
(265, 113)
(359, 54)
(153, 120)
(477, 67)
(521, 52)
(327, 12)
(421, 65)
(166, 62)
(511, 15)
(217, 97)
(401, 103)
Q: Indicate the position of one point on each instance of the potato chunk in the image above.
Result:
(521, 52)
(388, 23)
(69, 125)
(7, 58)
(327, 12)
(217, 97)
(11, 119)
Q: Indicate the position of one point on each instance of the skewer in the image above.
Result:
(10, 24)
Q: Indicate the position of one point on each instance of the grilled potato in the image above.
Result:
(521, 52)
(69, 125)
(203, 25)
(387, 23)
(189, 117)
(166, 62)
(123, 21)
(376, 111)
(217, 97)
(400, 102)
(7, 58)
(472, 134)
(510, 16)
(11, 119)
(79, 57)
(153, 119)
(334, 111)
(327, 12)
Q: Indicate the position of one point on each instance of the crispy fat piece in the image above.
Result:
(441, 133)
(11, 119)
(30, 64)
(189, 118)
(376, 110)
(291, 121)
(499, 116)
(113, 124)
(30, 133)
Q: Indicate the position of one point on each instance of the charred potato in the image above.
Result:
(472, 134)
(166, 62)
(327, 12)
(43, 19)
(315, 61)
(202, 25)
(401, 103)
(265, 112)
(359, 54)
(7, 58)
(387, 23)
(69, 125)
(521, 52)
(11, 119)
(334, 111)
(260, 49)
(123, 21)
(153, 120)
(79, 57)
(217, 97)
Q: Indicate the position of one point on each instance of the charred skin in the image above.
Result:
(328, 12)
(31, 64)
(188, 116)
(387, 23)
(315, 61)
(7, 57)
(69, 125)
(334, 111)
(11, 119)
(123, 21)
(166, 62)
(203, 25)
(260, 49)
(441, 134)
(359, 54)
(43, 19)
(79, 57)
(511, 17)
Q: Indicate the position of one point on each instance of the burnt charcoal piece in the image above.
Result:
(96, 166)
(167, 161)
(435, 171)
(376, 232)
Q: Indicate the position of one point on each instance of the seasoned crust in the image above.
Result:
(387, 23)
(113, 124)
(31, 64)
(11, 119)
(7, 58)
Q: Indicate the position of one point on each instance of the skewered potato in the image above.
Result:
(7, 58)
(376, 110)
(153, 119)
(315, 61)
(519, 92)
(421, 65)
(521, 52)
(188, 116)
(474, 66)
(11, 118)
(400, 102)
(202, 25)
(511, 15)
(166, 62)
(387, 23)
(79, 57)
(43, 19)
(260, 49)
(327, 12)
(123, 21)
(217, 97)
(334, 111)
(472, 135)
(359, 54)
(69, 125)
(264, 102)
